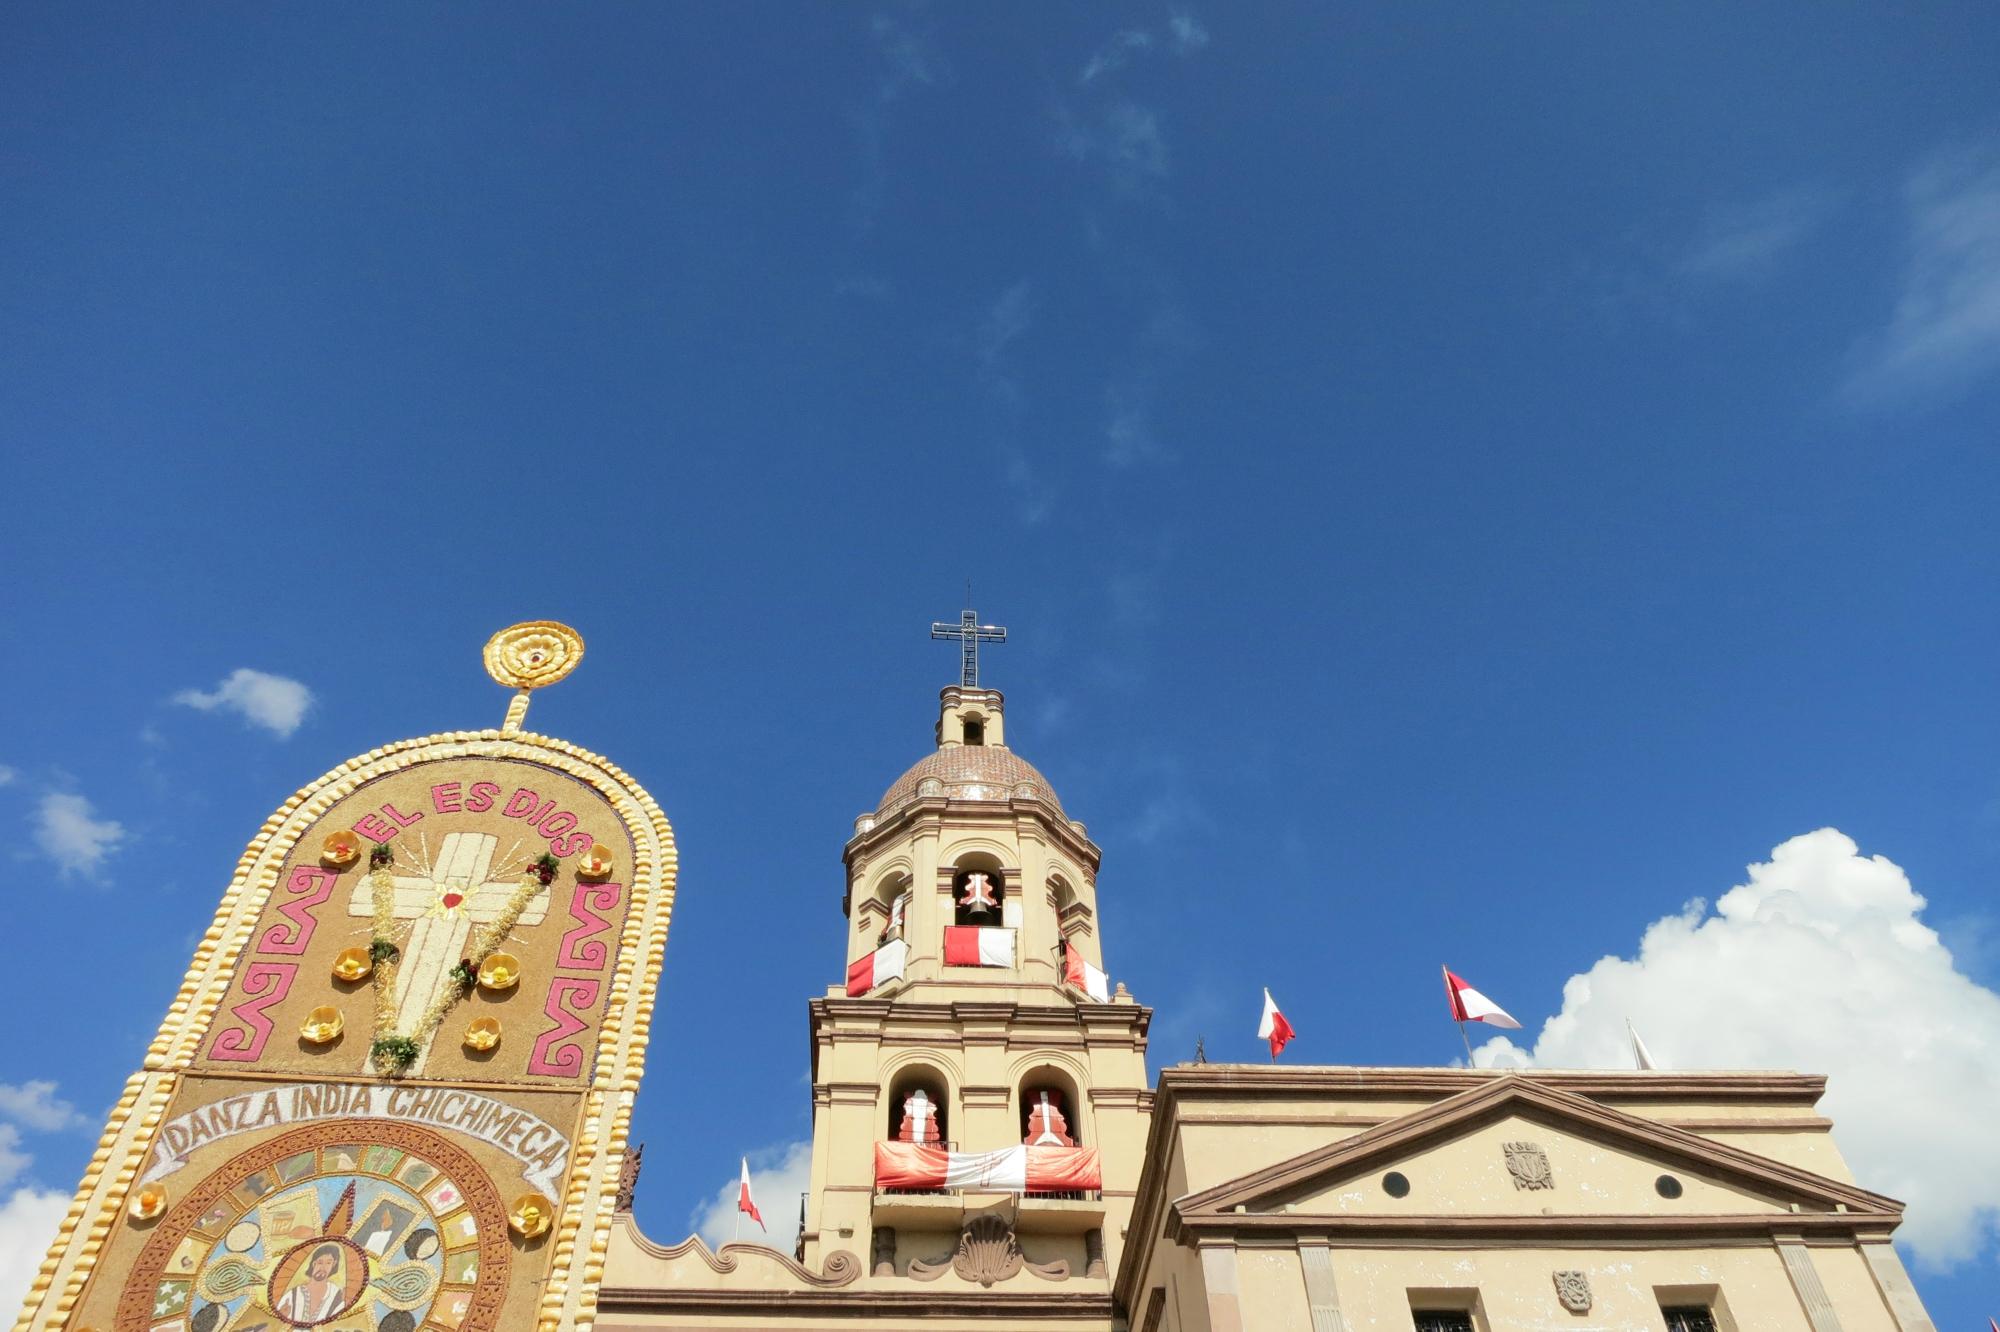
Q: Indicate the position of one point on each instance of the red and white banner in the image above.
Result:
(978, 946)
(878, 968)
(1469, 1005)
(1273, 1027)
(1085, 977)
(904, 1165)
(743, 1200)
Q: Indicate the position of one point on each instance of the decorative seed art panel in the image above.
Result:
(394, 1090)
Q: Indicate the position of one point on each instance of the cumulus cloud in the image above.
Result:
(1945, 328)
(27, 1227)
(67, 830)
(36, 1105)
(270, 701)
(777, 1177)
(1821, 962)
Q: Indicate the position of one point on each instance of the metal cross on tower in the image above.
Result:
(970, 633)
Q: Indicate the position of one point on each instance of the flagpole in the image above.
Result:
(1468, 1045)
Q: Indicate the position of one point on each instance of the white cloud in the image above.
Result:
(1116, 53)
(1126, 138)
(36, 1105)
(67, 832)
(1945, 329)
(7, 775)
(1187, 32)
(1821, 963)
(28, 1222)
(270, 701)
(774, 1187)
(1742, 241)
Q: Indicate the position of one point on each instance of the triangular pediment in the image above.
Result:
(1526, 1151)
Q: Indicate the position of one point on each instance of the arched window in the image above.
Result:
(1050, 1112)
(919, 1107)
(978, 890)
(891, 902)
(975, 729)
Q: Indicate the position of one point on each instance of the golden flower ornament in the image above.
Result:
(322, 1025)
(148, 1202)
(352, 964)
(533, 654)
(341, 849)
(531, 1216)
(482, 1033)
(500, 971)
(596, 863)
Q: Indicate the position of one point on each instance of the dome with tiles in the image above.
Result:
(971, 772)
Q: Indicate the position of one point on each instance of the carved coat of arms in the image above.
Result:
(1573, 1289)
(1529, 1165)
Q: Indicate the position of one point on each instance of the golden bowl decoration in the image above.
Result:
(352, 964)
(341, 849)
(148, 1202)
(482, 1033)
(596, 863)
(532, 1215)
(322, 1025)
(500, 971)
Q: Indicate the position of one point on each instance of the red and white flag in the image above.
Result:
(1469, 1005)
(878, 968)
(978, 946)
(1078, 972)
(905, 1165)
(1273, 1027)
(743, 1201)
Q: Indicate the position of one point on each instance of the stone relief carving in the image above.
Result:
(1573, 1289)
(1529, 1165)
(987, 1252)
(628, 1178)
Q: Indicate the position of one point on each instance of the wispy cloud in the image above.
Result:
(1163, 342)
(1004, 324)
(1945, 329)
(908, 60)
(1116, 53)
(1187, 33)
(273, 702)
(69, 833)
(1124, 138)
(29, 1216)
(1745, 240)
(7, 775)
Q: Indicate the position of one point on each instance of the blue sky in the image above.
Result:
(1462, 482)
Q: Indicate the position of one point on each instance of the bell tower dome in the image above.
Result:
(975, 1035)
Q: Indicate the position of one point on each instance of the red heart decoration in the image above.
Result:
(453, 899)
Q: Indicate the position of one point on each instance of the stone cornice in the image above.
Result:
(1342, 1230)
(941, 810)
(1091, 1308)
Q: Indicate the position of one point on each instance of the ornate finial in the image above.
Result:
(628, 1178)
(970, 633)
(528, 656)
(1200, 1053)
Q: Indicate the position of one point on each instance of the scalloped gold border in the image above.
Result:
(587, 1205)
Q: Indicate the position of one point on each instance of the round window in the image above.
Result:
(1667, 1186)
(1396, 1184)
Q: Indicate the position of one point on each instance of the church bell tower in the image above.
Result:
(979, 1091)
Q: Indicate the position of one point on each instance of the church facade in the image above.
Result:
(487, 911)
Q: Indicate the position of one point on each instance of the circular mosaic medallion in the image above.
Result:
(346, 1227)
